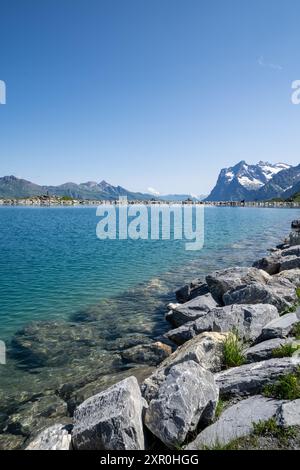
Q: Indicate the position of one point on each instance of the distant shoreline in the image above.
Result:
(52, 201)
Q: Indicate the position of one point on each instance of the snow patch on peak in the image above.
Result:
(269, 169)
(229, 175)
(248, 183)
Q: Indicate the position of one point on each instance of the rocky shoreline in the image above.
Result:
(226, 376)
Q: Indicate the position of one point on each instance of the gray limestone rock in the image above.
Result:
(111, 420)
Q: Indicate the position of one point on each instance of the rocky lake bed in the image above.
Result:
(225, 374)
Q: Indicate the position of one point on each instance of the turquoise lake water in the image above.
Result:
(86, 300)
(53, 265)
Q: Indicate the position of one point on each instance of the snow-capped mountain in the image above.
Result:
(243, 181)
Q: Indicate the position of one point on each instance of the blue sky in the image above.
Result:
(156, 93)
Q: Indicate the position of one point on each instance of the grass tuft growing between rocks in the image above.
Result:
(233, 355)
(286, 350)
(265, 435)
(219, 408)
(296, 330)
(286, 388)
(270, 428)
(218, 446)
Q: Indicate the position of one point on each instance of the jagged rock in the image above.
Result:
(151, 354)
(56, 437)
(188, 395)
(191, 310)
(270, 264)
(295, 224)
(173, 305)
(33, 416)
(190, 291)
(76, 392)
(264, 350)
(127, 341)
(205, 349)
(283, 246)
(248, 320)
(289, 414)
(280, 294)
(280, 327)
(251, 378)
(111, 420)
(236, 421)
(290, 262)
(224, 280)
(294, 238)
(291, 251)
(292, 275)
(11, 442)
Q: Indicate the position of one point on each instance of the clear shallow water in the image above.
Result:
(94, 297)
(52, 264)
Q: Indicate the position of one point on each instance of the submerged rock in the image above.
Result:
(248, 320)
(33, 416)
(251, 378)
(191, 310)
(151, 354)
(111, 420)
(188, 395)
(53, 343)
(56, 437)
(205, 349)
(224, 280)
(11, 442)
(235, 422)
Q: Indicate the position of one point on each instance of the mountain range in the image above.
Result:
(259, 182)
(12, 187)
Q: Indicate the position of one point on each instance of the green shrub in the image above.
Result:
(286, 388)
(285, 350)
(233, 351)
(291, 309)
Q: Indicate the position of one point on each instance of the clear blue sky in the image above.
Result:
(147, 93)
